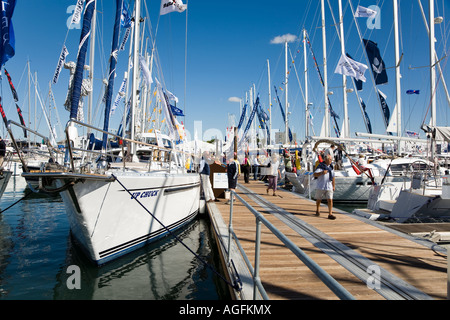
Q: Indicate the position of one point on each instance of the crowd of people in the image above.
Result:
(267, 168)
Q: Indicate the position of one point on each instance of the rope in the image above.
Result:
(234, 285)
(23, 198)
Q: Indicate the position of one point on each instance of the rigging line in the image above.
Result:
(235, 285)
(23, 198)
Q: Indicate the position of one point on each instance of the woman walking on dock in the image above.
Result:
(273, 174)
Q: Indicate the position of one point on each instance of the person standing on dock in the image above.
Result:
(204, 175)
(325, 185)
(2, 151)
(273, 174)
(255, 167)
(233, 172)
(245, 168)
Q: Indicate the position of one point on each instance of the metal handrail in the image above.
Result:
(329, 281)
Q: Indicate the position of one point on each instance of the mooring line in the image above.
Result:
(23, 198)
(235, 285)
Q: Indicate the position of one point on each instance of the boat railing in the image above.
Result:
(152, 153)
(53, 152)
(329, 281)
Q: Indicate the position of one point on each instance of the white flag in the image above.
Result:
(168, 6)
(362, 12)
(61, 61)
(145, 70)
(76, 17)
(350, 67)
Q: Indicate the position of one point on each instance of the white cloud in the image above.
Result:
(282, 39)
(234, 99)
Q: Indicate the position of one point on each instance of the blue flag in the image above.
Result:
(176, 111)
(376, 62)
(413, 92)
(7, 45)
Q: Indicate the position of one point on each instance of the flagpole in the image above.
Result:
(286, 138)
(432, 65)
(397, 74)
(306, 86)
(325, 72)
(135, 85)
(270, 104)
(346, 130)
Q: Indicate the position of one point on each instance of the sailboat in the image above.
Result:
(118, 202)
(428, 197)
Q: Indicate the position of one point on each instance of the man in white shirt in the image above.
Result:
(325, 185)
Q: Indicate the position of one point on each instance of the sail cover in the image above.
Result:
(112, 70)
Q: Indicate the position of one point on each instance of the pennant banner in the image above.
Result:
(241, 120)
(376, 62)
(13, 90)
(76, 17)
(168, 6)
(384, 108)
(61, 61)
(352, 68)
(362, 12)
(366, 116)
(7, 45)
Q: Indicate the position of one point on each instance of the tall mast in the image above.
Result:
(286, 107)
(306, 86)
(91, 69)
(346, 131)
(325, 73)
(270, 105)
(135, 84)
(397, 73)
(433, 65)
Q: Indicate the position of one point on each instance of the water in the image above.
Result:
(36, 252)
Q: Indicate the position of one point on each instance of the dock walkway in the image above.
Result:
(369, 259)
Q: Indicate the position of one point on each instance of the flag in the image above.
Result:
(241, 120)
(413, 92)
(376, 62)
(176, 111)
(168, 6)
(145, 70)
(384, 108)
(362, 12)
(7, 46)
(412, 134)
(61, 61)
(352, 68)
(358, 83)
(366, 116)
(125, 19)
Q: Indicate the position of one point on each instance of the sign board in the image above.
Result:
(220, 180)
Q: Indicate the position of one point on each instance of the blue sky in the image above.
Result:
(228, 45)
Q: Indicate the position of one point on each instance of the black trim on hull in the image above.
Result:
(137, 241)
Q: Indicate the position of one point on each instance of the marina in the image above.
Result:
(349, 249)
(170, 176)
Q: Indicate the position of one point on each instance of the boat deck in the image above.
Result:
(350, 249)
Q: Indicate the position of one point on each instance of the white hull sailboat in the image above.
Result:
(119, 199)
(108, 220)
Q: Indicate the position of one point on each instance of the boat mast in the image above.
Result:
(135, 84)
(306, 86)
(286, 107)
(270, 105)
(325, 73)
(397, 74)
(432, 65)
(91, 69)
(346, 131)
